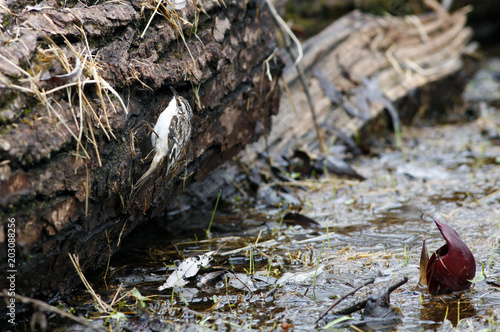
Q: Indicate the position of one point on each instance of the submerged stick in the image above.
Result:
(369, 281)
(43, 306)
(361, 304)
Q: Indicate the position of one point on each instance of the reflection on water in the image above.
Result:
(453, 308)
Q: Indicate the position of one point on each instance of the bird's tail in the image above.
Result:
(140, 183)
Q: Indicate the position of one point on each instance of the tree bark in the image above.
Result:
(69, 157)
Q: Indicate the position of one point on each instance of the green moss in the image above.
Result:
(25, 208)
(7, 20)
(7, 98)
(30, 105)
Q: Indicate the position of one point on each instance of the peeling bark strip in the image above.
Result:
(54, 140)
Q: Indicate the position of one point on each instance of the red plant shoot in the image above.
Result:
(451, 267)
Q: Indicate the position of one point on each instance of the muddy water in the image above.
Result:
(445, 172)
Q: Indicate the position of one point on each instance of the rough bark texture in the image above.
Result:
(62, 198)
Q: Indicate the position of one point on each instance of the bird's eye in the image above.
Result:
(179, 104)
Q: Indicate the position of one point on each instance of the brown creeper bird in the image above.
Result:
(170, 136)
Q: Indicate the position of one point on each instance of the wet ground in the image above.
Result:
(273, 274)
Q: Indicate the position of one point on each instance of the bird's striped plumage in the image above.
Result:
(172, 133)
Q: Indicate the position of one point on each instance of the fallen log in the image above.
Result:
(78, 86)
(415, 63)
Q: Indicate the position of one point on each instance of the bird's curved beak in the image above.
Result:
(176, 95)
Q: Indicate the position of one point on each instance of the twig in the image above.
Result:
(319, 133)
(42, 306)
(287, 89)
(285, 30)
(369, 281)
(151, 19)
(361, 304)
(261, 244)
(268, 68)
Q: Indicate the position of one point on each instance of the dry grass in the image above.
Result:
(86, 112)
(176, 21)
(99, 304)
(84, 116)
(113, 309)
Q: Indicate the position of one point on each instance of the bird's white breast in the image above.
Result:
(162, 127)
